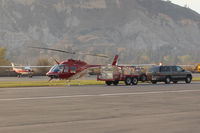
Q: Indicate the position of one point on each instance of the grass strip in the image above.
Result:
(196, 79)
(45, 83)
(8, 84)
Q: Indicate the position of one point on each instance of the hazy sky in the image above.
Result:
(193, 4)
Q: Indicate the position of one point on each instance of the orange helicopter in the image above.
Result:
(26, 70)
(23, 70)
(70, 69)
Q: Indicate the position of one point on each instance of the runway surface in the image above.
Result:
(45, 78)
(145, 108)
(34, 78)
(38, 78)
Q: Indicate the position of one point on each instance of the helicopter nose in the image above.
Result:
(52, 75)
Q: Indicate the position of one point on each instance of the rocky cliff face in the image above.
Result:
(142, 31)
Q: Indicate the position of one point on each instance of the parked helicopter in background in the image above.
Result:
(23, 70)
(70, 69)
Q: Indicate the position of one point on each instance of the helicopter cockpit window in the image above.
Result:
(57, 68)
(72, 69)
(66, 69)
(27, 68)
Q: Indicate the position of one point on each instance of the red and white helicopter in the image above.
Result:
(70, 69)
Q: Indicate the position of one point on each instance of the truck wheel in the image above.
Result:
(143, 78)
(153, 82)
(134, 81)
(128, 81)
(188, 79)
(108, 83)
(167, 80)
(116, 82)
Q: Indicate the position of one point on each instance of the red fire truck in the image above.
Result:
(112, 74)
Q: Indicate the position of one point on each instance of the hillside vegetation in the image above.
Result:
(141, 31)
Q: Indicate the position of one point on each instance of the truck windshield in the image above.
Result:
(153, 69)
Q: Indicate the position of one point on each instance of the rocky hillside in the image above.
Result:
(141, 31)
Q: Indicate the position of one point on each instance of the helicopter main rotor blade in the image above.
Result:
(99, 55)
(63, 51)
(58, 50)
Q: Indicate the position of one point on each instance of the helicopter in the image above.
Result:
(23, 70)
(70, 69)
(26, 70)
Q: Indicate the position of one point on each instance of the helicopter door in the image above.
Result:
(60, 69)
(66, 69)
(72, 69)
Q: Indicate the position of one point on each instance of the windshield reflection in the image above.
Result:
(57, 68)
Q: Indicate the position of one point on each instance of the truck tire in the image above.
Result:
(108, 83)
(116, 82)
(188, 79)
(143, 78)
(167, 80)
(153, 82)
(134, 80)
(128, 81)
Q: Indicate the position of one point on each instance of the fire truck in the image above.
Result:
(112, 74)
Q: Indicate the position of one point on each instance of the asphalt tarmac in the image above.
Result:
(25, 78)
(39, 78)
(145, 108)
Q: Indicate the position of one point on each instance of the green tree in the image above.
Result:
(185, 59)
(3, 60)
(42, 62)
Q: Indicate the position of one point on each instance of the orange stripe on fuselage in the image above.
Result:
(21, 71)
